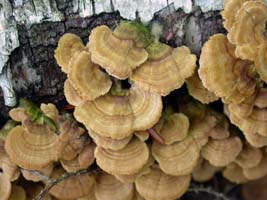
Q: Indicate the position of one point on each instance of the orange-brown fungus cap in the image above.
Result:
(118, 57)
(204, 171)
(146, 107)
(175, 128)
(109, 143)
(220, 131)
(68, 45)
(17, 193)
(18, 114)
(50, 110)
(128, 160)
(231, 7)
(31, 150)
(142, 135)
(5, 187)
(197, 90)
(261, 61)
(222, 73)
(177, 159)
(166, 69)
(158, 185)
(108, 187)
(222, 152)
(87, 78)
(249, 157)
(73, 187)
(258, 171)
(248, 30)
(234, 173)
(72, 95)
(110, 116)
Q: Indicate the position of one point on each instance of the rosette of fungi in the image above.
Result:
(204, 171)
(248, 29)
(85, 78)
(108, 187)
(166, 68)
(127, 161)
(197, 90)
(172, 127)
(160, 186)
(117, 55)
(72, 187)
(251, 117)
(222, 152)
(118, 115)
(177, 159)
(223, 74)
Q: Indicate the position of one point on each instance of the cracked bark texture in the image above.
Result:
(30, 68)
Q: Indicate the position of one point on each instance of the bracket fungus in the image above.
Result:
(165, 70)
(119, 116)
(222, 73)
(117, 56)
(5, 187)
(222, 152)
(68, 45)
(258, 171)
(248, 29)
(108, 187)
(128, 160)
(158, 185)
(261, 61)
(177, 159)
(234, 173)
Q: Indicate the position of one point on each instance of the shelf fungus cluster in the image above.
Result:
(138, 139)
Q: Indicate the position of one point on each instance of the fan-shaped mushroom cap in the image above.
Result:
(231, 8)
(71, 94)
(128, 160)
(197, 90)
(132, 177)
(108, 187)
(50, 110)
(234, 173)
(166, 69)
(82, 161)
(118, 57)
(31, 175)
(109, 143)
(110, 116)
(72, 187)
(222, 73)
(222, 152)
(9, 168)
(249, 157)
(260, 61)
(175, 128)
(5, 187)
(31, 151)
(204, 171)
(248, 29)
(261, 98)
(220, 131)
(258, 171)
(146, 107)
(68, 45)
(17, 193)
(69, 142)
(87, 78)
(89, 197)
(158, 185)
(177, 159)
(18, 114)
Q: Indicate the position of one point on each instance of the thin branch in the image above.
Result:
(53, 182)
(197, 189)
(156, 136)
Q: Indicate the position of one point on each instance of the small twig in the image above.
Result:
(53, 182)
(156, 136)
(197, 189)
(37, 173)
